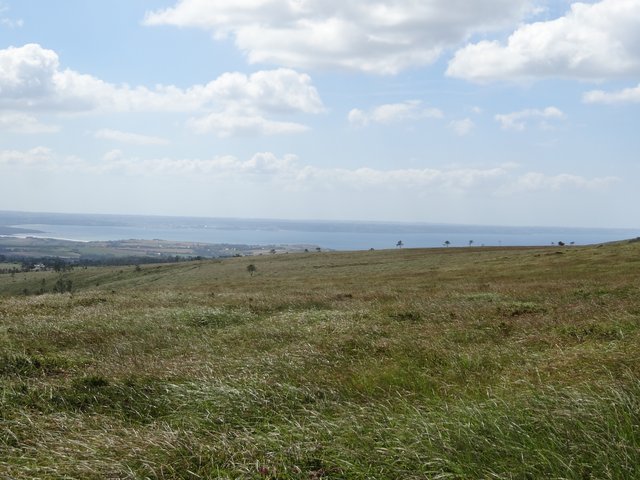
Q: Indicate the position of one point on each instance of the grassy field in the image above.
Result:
(10, 266)
(478, 363)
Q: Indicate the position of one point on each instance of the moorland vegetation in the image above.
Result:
(503, 363)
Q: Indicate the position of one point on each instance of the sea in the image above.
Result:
(333, 235)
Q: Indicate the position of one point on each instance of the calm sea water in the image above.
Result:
(331, 235)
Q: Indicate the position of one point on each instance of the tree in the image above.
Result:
(470, 242)
(63, 286)
(251, 268)
(399, 244)
(447, 243)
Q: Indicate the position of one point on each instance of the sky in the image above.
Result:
(487, 112)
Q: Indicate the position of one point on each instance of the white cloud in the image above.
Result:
(31, 79)
(35, 156)
(11, 23)
(113, 156)
(7, 21)
(289, 173)
(393, 113)
(462, 127)
(226, 124)
(280, 90)
(260, 164)
(538, 182)
(41, 159)
(127, 137)
(518, 120)
(593, 41)
(451, 180)
(244, 100)
(17, 122)
(628, 95)
(381, 36)
(27, 72)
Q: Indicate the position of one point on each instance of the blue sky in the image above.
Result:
(497, 112)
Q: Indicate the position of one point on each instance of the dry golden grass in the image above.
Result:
(444, 363)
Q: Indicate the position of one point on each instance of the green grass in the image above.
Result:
(10, 265)
(447, 363)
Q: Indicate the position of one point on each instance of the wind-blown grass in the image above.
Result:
(469, 363)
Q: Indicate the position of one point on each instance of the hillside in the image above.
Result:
(442, 363)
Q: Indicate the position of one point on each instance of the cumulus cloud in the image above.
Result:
(276, 91)
(17, 122)
(128, 137)
(518, 120)
(381, 36)
(393, 113)
(31, 78)
(628, 95)
(462, 127)
(245, 100)
(593, 41)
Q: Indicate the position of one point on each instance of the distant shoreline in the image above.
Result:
(10, 231)
(73, 250)
(338, 235)
(43, 236)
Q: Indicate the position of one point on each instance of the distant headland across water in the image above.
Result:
(334, 235)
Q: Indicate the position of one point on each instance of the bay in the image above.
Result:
(325, 234)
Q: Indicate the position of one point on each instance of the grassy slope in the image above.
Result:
(450, 363)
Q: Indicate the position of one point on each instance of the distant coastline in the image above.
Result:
(334, 235)
(6, 230)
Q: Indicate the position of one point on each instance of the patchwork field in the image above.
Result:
(497, 363)
(32, 247)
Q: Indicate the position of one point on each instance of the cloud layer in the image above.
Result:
(289, 173)
(382, 37)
